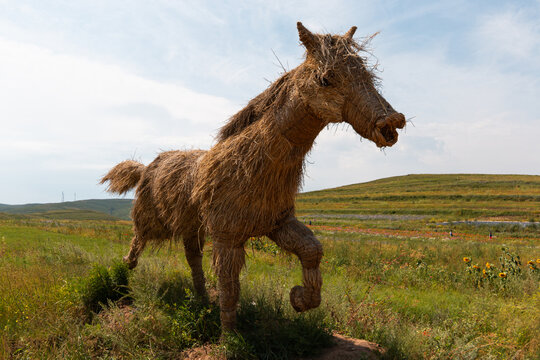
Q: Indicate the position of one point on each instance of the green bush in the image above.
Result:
(104, 285)
(235, 347)
(194, 321)
(173, 288)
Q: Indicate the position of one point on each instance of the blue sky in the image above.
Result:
(87, 84)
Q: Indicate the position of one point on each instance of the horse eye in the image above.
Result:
(324, 81)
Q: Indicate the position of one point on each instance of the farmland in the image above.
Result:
(392, 273)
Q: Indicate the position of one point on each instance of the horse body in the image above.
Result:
(246, 184)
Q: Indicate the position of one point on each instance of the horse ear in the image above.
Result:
(306, 37)
(349, 35)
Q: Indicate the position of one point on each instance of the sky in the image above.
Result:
(87, 84)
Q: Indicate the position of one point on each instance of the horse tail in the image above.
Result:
(124, 176)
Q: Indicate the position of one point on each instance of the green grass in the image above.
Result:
(64, 295)
(400, 281)
(414, 296)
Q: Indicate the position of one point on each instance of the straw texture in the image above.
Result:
(245, 185)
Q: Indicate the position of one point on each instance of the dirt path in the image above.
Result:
(412, 234)
(364, 216)
(345, 348)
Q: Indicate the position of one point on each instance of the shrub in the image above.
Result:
(235, 347)
(104, 285)
(194, 321)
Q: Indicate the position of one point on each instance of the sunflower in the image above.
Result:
(502, 275)
(488, 265)
(467, 259)
(530, 262)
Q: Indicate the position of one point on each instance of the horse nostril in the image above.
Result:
(396, 120)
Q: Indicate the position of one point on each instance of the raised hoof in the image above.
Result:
(130, 263)
(302, 300)
(297, 298)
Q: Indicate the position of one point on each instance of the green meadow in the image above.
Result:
(392, 274)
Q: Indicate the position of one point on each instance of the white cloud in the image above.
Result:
(513, 33)
(62, 112)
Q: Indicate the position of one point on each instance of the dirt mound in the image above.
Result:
(345, 348)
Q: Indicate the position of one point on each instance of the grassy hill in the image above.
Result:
(98, 209)
(459, 196)
(453, 197)
(68, 214)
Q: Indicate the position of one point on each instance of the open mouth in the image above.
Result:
(385, 133)
(389, 134)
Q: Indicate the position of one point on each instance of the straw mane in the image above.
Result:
(273, 97)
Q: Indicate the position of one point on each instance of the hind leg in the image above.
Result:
(193, 246)
(297, 238)
(228, 261)
(138, 244)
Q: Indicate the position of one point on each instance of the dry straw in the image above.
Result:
(246, 184)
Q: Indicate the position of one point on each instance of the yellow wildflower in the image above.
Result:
(467, 259)
(488, 265)
(476, 267)
(530, 262)
(484, 271)
(538, 261)
(502, 275)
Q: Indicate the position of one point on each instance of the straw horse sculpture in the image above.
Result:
(245, 185)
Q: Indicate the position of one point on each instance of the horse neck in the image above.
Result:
(282, 138)
(298, 125)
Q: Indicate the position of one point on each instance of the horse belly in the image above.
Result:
(173, 184)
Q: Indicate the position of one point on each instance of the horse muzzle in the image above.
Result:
(385, 130)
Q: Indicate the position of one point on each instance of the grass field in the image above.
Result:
(391, 276)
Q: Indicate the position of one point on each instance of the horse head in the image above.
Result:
(338, 86)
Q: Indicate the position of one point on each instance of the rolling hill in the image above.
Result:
(452, 196)
(97, 209)
(460, 196)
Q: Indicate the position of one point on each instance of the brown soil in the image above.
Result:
(207, 352)
(345, 348)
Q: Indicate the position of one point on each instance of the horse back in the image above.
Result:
(163, 199)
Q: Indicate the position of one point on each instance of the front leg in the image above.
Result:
(228, 262)
(295, 237)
